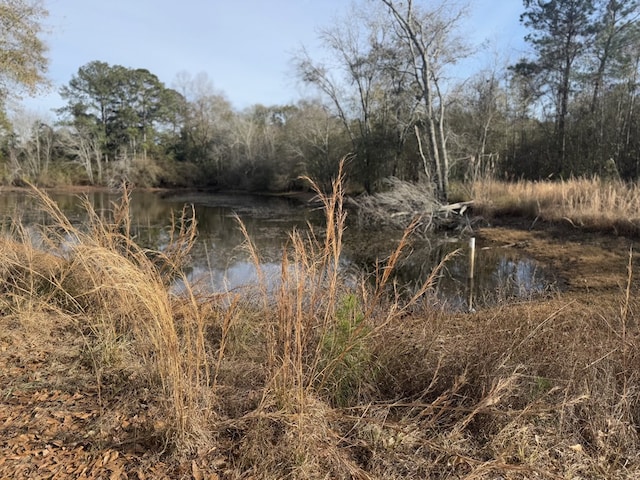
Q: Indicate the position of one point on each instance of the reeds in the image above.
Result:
(588, 203)
(319, 333)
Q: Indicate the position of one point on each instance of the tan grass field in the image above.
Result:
(588, 204)
(108, 374)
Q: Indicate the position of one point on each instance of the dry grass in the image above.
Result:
(320, 378)
(117, 295)
(591, 204)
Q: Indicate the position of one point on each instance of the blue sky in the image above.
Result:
(245, 46)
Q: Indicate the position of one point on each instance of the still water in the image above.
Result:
(219, 262)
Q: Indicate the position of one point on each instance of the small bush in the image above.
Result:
(345, 357)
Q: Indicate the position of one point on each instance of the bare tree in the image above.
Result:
(478, 116)
(257, 134)
(357, 84)
(208, 120)
(315, 141)
(427, 39)
(23, 61)
(616, 30)
(84, 148)
(31, 148)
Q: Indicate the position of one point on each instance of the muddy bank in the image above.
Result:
(582, 261)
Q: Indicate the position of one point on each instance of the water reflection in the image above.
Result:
(219, 261)
(500, 274)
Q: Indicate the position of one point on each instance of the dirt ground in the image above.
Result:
(53, 420)
(54, 423)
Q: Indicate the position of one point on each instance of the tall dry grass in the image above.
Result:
(318, 335)
(117, 295)
(288, 358)
(590, 203)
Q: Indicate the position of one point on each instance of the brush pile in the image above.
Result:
(402, 204)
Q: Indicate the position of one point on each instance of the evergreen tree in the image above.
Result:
(561, 32)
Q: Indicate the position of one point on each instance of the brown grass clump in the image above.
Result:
(312, 377)
(117, 295)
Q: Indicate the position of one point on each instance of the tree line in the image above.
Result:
(386, 95)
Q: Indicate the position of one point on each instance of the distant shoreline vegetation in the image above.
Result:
(563, 110)
(580, 204)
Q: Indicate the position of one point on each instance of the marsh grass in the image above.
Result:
(320, 377)
(587, 203)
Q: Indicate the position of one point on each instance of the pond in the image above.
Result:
(219, 262)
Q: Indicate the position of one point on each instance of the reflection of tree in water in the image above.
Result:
(519, 276)
(500, 274)
(23, 207)
(504, 274)
(416, 264)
